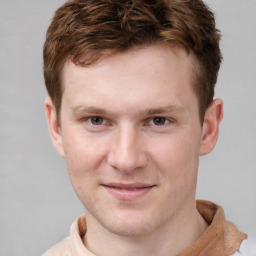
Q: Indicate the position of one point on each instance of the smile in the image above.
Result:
(128, 191)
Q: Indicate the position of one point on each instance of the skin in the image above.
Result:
(132, 137)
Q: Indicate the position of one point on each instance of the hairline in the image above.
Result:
(194, 72)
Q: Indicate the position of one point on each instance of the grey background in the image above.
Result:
(36, 199)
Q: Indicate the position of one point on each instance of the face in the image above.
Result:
(131, 135)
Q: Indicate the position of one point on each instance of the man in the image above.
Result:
(131, 108)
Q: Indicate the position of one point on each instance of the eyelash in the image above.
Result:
(90, 120)
(155, 118)
(150, 121)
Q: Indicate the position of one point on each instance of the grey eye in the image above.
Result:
(97, 120)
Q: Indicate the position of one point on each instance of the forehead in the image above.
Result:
(159, 55)
(146, 72)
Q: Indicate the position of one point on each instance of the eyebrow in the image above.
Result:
(166, 109)
(88, 109)
(149, 111)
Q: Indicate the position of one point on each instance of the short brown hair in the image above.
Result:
(87, 30)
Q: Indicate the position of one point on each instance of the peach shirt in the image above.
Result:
(222, 238)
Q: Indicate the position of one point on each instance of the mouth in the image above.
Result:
(128, 191)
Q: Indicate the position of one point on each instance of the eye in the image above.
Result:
(159, 120)
(96, 120)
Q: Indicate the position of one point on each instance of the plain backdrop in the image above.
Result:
(37, 202)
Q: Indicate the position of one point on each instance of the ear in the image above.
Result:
(210, 131)
(53, 126)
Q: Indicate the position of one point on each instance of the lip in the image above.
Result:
(131, 191)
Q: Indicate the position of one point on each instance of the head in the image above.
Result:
(131, 107)
(87, 31)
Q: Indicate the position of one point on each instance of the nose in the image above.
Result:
(127, 151)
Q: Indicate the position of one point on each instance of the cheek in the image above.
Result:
(84, 155)
(177, 157)
(84, 158)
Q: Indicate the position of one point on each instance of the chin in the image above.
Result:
(130, 224)
(131, 229)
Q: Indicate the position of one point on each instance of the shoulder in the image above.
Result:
(247, 248)
(73, 244)
(62, 248)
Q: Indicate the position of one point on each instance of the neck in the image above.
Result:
(168, 240)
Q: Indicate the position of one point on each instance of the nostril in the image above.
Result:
(127, 161)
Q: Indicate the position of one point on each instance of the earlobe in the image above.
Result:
(53, 126)
(213, 117)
